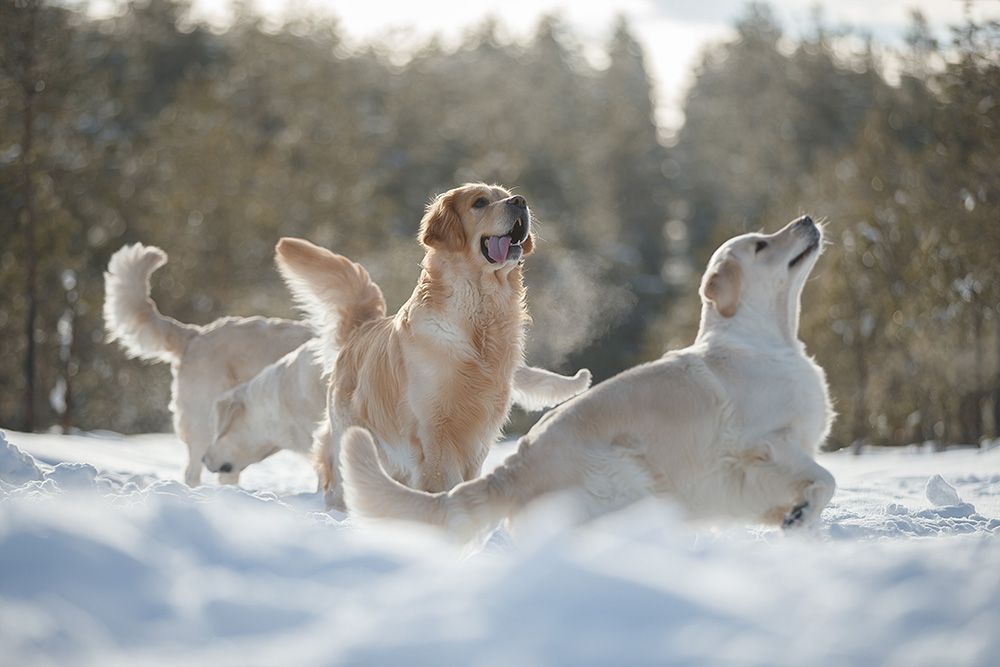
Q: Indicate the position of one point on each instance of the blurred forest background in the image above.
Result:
(149, 127)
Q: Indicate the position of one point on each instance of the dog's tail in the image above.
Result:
(130, 316)
(466, 511)
(337, 294)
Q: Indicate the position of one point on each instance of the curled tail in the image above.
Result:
(466, 511)
(130, 315)
(337, 294)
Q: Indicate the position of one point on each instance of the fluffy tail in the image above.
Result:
(130, 315)
(537, 389)
(337, 294)
(466, 511)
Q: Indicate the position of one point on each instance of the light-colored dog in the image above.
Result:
(435, 382)
(727, 428)
(277, 409)
(205, 360)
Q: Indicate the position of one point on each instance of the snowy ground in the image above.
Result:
(107, 559)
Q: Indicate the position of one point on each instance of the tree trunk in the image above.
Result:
(28, 214)
(996, 387)
(68, 342)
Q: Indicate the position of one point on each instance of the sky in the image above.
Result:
(672, 32)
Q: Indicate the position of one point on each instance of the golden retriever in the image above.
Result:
(278, 408)
(727, 428)
(205, 360)
(435, 382)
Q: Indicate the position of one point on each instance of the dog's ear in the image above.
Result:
(441, 227)
(723, 285)
(227, 409)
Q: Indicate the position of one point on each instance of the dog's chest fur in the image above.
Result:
(463, 342)
(790, 389)
(473, 339)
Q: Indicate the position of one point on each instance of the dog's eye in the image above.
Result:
(760, 246)
(479, 203)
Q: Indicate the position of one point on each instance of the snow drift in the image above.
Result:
(107, 559)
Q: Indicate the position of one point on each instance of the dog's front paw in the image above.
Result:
(796, 517)
(582, 379)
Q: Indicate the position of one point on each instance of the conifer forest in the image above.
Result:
(146, 126)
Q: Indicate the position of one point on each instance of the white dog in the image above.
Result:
(727, 428)
(277, 409)
(205, 360)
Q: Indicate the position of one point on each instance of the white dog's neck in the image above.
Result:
(753, 324)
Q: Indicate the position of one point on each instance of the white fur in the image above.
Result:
(277, 409)
(205, 360)
(536, 388)
(726, 428)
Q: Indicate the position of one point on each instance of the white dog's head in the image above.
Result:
(238, 441)
(757, 279)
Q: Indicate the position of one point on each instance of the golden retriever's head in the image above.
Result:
(485, 223)
(760, 276)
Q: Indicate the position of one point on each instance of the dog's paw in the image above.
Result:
(796, 517)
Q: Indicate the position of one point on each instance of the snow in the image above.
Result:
(941, 493)
(107, 559)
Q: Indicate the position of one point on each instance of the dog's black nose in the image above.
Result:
(517, 201)
(805, 221)
(226, 467)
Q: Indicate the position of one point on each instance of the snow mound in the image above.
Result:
(941, 493)
(16, 467)
(118, 563)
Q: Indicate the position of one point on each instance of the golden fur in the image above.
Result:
(434, 382)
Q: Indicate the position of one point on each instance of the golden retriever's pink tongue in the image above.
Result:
(497, 247)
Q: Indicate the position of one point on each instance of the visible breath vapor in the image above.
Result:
(572, 302)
